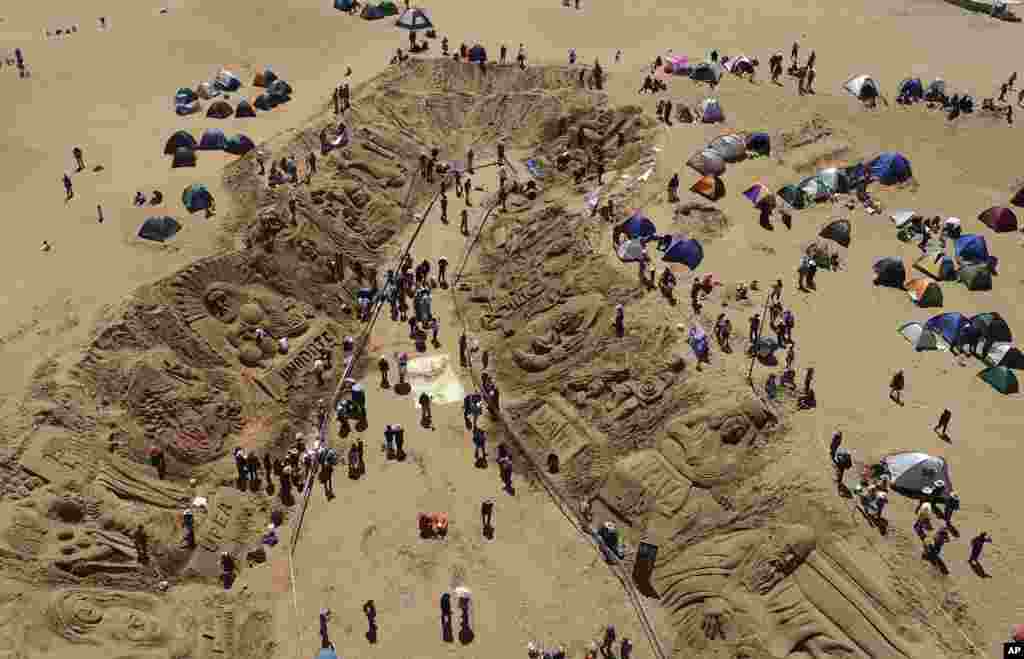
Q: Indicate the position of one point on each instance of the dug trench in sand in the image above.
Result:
(755, 562)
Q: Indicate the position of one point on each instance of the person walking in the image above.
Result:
(942, 427)
(609, 640)
(444, 208)
(479, 446)
(188, 522)
(435, 327)
(399, 442)
(384, 367)
(626, 649)
(505, 471)
(79, 161)
(469, 162)
(776, 292)
(837, 440)
(952, 505)
(156, 458)
(620, 321)
(843, 461)
(673, 188)
(442, 272)
(425, 418)
(325, 617)
(487, 515)
(755, 330)
(463, 351)
(978, 543)
(467, 187)
(69, 192)
(896, 386)
(464, 222)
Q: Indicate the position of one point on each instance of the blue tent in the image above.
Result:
(890, 168)
(949, 325)
(213, 139)
(327, 653)
(686, 251)
(971, 248)
(159, 229)
(912, 88)
(639, 226)
(239, 145)
(478, 54)
(344, 5)
(759, 143)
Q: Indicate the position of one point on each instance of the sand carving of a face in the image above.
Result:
(245, 312)
(713, 446)
(102, 618)
(558, 335)
(782, 591)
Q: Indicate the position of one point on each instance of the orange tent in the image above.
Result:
(709, 187)
(924, 292)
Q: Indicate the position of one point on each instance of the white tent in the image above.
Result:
(1002, 354)
(632, 250)
(207, 91)
(731, 148)
(228, 80)
(900, 218)
(711, 111)
(862, 86)
(919, 336)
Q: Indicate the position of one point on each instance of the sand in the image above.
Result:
(110, 344)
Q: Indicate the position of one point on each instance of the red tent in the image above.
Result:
(999, 218)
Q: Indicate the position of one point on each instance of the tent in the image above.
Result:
(949, 326)
(181, 139)
(1018, 199)
(936, 88)
(992, 326)
(414, 19)
(707, 163)
(639, 226)
(264, 77)
(838, 231)
(220, 110)
(227, 81)
(706, 72)
(239, 145)
(159, 228)
(919, 336)
(732, 148)
(344, 5)
(477, 54)
(244, 109)
(213, 140)
(760, 143)
(816, 188)
(976, 277)
(924, 292)
(185, 95)
(900, 218)
(1004, 354)
(711, 111)
(327, 653)
(684, 250)
(739, 65)
(280, 88)
(1000, 219)
(889, 271)
(709, 187)
(1001, 378)
(794, 196)
(971, 249)
(912, 88)
(184, 157)
(757, 194)
(383, 10)
(677, 65)
(196, 198)
(939, 269)
(862, 86)
(632, 250)
(836, 178)
(912, 472)
(890, 168)
(263, 102)
(855, 174)
(184, 109)
(207, 91)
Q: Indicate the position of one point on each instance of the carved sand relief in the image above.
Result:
(59, 455)
(643, 482)
(558, 430)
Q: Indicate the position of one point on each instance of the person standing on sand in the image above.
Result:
(809, 86)
(896, 386)
(466, 188)
(942, 426)
(464, 222)
(444, 208)
(487, 514)
(80, 163)
(837, 441)
(188, 521)
(977, 545)
(620, 321)
(469, 162)
(68, 190)
(794, 53)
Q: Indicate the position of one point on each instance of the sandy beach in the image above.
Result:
(112, 345)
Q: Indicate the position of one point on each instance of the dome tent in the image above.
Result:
(414, 19)
(639, 225)
(739, 65)
(244, 109)
(992, 326)
(836, 178)
(890, 168)
(711, 111)
(185, 109)
(1018, 198)
(227, 81)
(999, 218)
(185, 95)
(684, 250)
(731, 148)
(707, 163)
(1001, 379)
(759, 143)
(180, 139)
(919, 336)
(632, 250)
(1003, 354)
(971, 249)
(477, 54)
(950, 326)
(816, 188)
(207, 91)
(794, 197)
(196, 197)
(710, 187)
(280, 88)
(159, 229)
(264, 102)
(914, 474)
(239, 145)
(912, 88)
(976, 277)
(709, 72)
(184, 157)
(220, 109)
(889, 271)
(264, 78)
(937, 266)
(924, 292)
(213, 139)
(838, 231)
(862, 86)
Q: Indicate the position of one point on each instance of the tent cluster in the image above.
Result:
(888, 168)
(638, 230)
(187, 101)
(384, 9)
(725, 149)
(971, 263)
(182, 146)
(986, 336)
(913, 90)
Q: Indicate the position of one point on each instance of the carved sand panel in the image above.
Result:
(559, 430)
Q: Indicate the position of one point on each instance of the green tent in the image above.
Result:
(794, 196)
(196, 197)
(1001, 378)
(816, 188)
(976, 277)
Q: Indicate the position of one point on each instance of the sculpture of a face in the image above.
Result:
(98, 617)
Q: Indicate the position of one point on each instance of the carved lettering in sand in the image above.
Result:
(278, 380)
(559, 429)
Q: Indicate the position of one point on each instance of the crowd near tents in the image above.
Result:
(639, 230)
